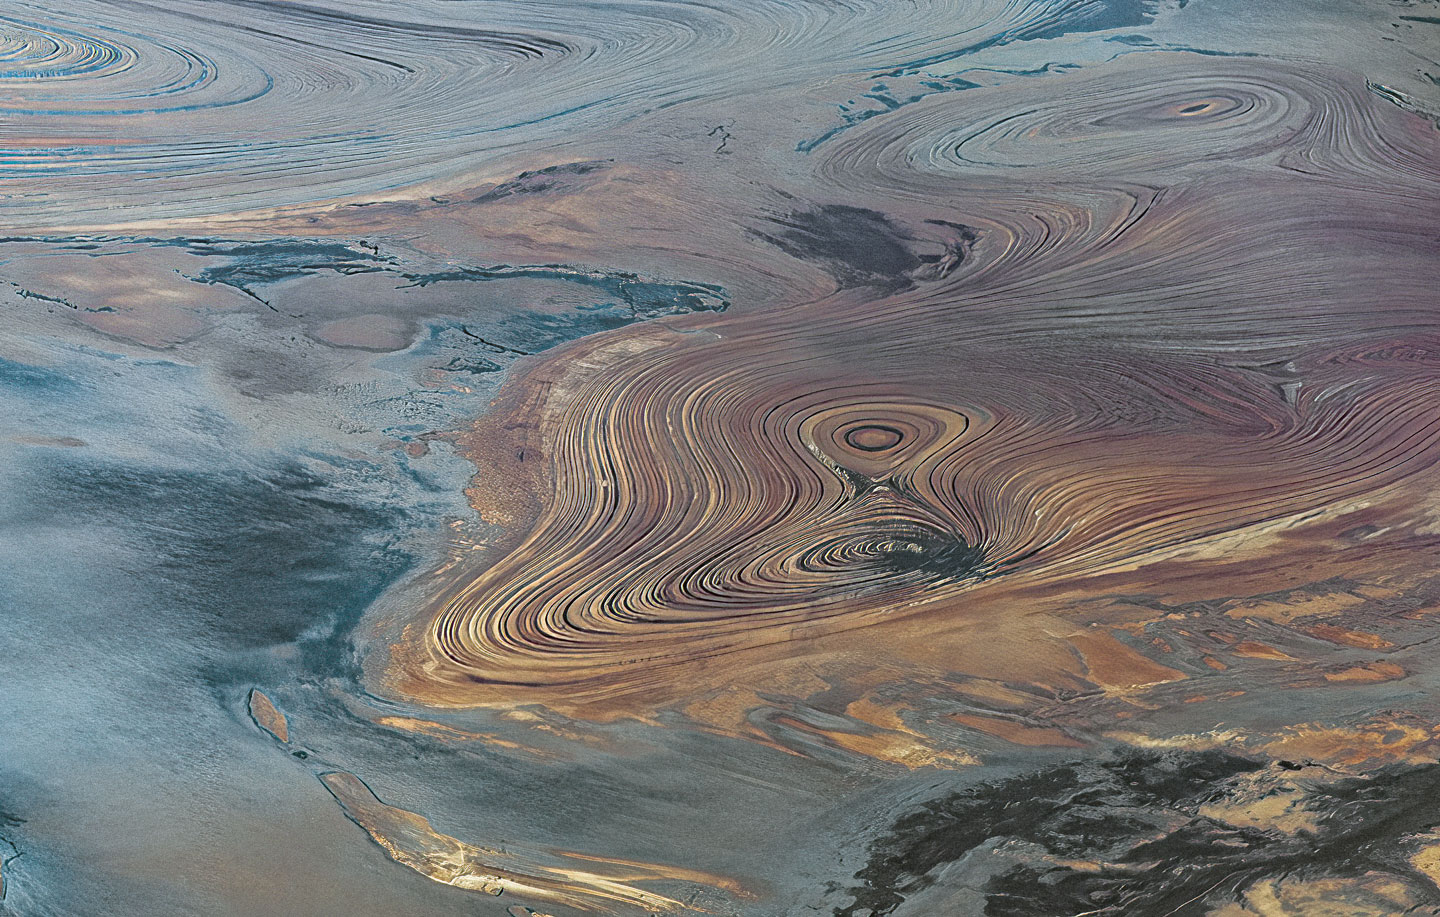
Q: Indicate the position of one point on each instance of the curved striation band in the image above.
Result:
(1082, 390)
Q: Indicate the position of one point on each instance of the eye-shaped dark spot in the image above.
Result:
(874, 438)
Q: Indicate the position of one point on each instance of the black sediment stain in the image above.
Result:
(859, 247)
(539, 181)
(1136, 822)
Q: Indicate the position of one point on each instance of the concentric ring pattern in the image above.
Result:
(1116, 370)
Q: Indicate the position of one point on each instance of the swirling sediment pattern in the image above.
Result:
(249, 104)
(725, 457)
(1153, 342)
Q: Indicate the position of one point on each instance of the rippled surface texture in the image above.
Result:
(775, 457)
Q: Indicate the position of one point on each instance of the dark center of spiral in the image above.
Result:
(873, 438)
(910, 550)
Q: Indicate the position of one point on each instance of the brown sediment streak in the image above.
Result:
(1128, 360)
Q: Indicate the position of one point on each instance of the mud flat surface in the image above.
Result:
(767, 458)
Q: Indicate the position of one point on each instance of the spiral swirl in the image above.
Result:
(249, 104)
(833, 512)
(1084, 391)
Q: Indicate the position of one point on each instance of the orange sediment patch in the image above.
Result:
(1114, 665)
(1370, 673)
(1254, 649)
(1337, 634)
(267, 716)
